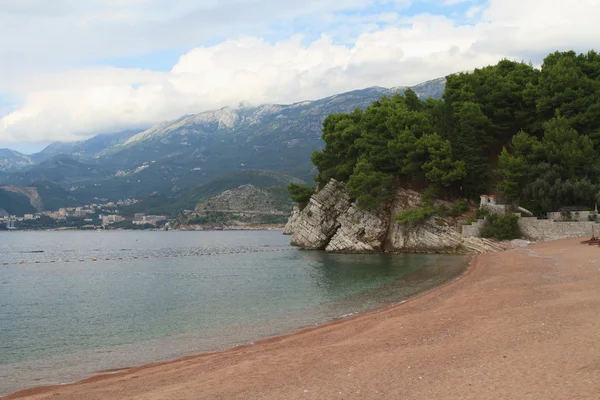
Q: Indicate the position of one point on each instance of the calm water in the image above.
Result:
(196, 291)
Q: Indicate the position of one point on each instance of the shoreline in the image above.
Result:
(101, 374)
(462, 338)
(464, 267)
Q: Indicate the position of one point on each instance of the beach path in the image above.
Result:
(522, 324)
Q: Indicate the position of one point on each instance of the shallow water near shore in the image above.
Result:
(195, 292)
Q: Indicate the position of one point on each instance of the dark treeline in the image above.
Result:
(533, 135)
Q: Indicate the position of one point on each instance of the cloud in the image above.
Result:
(386, 47)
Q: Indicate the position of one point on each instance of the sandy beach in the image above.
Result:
(522, 324)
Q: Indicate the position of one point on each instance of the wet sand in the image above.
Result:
(522, 324)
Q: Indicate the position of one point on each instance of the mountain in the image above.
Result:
(11, 160)
(61, 169)
(433, 88)
(272, 137)
(85, 149)
(175, 163)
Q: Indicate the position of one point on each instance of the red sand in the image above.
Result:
(522, 324)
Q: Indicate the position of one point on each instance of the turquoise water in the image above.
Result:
(196, 291)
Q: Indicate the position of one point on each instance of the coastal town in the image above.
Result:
(88, 217)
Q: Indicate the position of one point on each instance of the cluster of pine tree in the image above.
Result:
(534, 134)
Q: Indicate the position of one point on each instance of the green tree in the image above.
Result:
(370, 187)
(539, 130)
(472, 143)
(561, 169)
(570, 85)
(338, 158)
(439, 167)
(512, 174)
(300, 194)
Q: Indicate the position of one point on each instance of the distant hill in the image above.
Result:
(190, 198)
(11, 160)
(60, 169)
(85, 149)
(249, 198)
(244, 206)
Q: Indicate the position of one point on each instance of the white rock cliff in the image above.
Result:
(333, 223)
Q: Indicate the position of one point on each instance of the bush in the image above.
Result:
(593, 217)
(428, 210)
(502, 228)
(442, 211)
(458, 208)
(416, 215)
(482, 213)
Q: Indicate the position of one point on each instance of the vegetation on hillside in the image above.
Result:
(534, 134)
(15, 204)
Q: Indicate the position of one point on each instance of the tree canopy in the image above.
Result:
(533, 134)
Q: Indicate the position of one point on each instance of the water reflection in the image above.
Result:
(336, 273)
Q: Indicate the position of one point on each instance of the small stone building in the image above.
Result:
(490, 202)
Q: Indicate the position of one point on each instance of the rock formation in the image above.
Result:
(359, 232)
(289, 227)
(333, 223)
(318, 221)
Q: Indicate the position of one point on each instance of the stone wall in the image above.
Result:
(473, 230)
(574, 216)
(546, 229)
(496, 209)
(540, 230)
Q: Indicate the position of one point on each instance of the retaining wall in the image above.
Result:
(582, 216)
(546, 229)
(539, 230)
(473, 230)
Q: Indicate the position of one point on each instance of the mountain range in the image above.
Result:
(174, 160)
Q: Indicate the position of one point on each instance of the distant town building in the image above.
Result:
(141, 219)
(111, 219)
(58, 216)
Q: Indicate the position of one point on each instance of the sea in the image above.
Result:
(77, 303)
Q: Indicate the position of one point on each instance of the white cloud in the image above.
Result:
(391, 50)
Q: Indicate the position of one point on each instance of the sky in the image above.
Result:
(70, 69)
